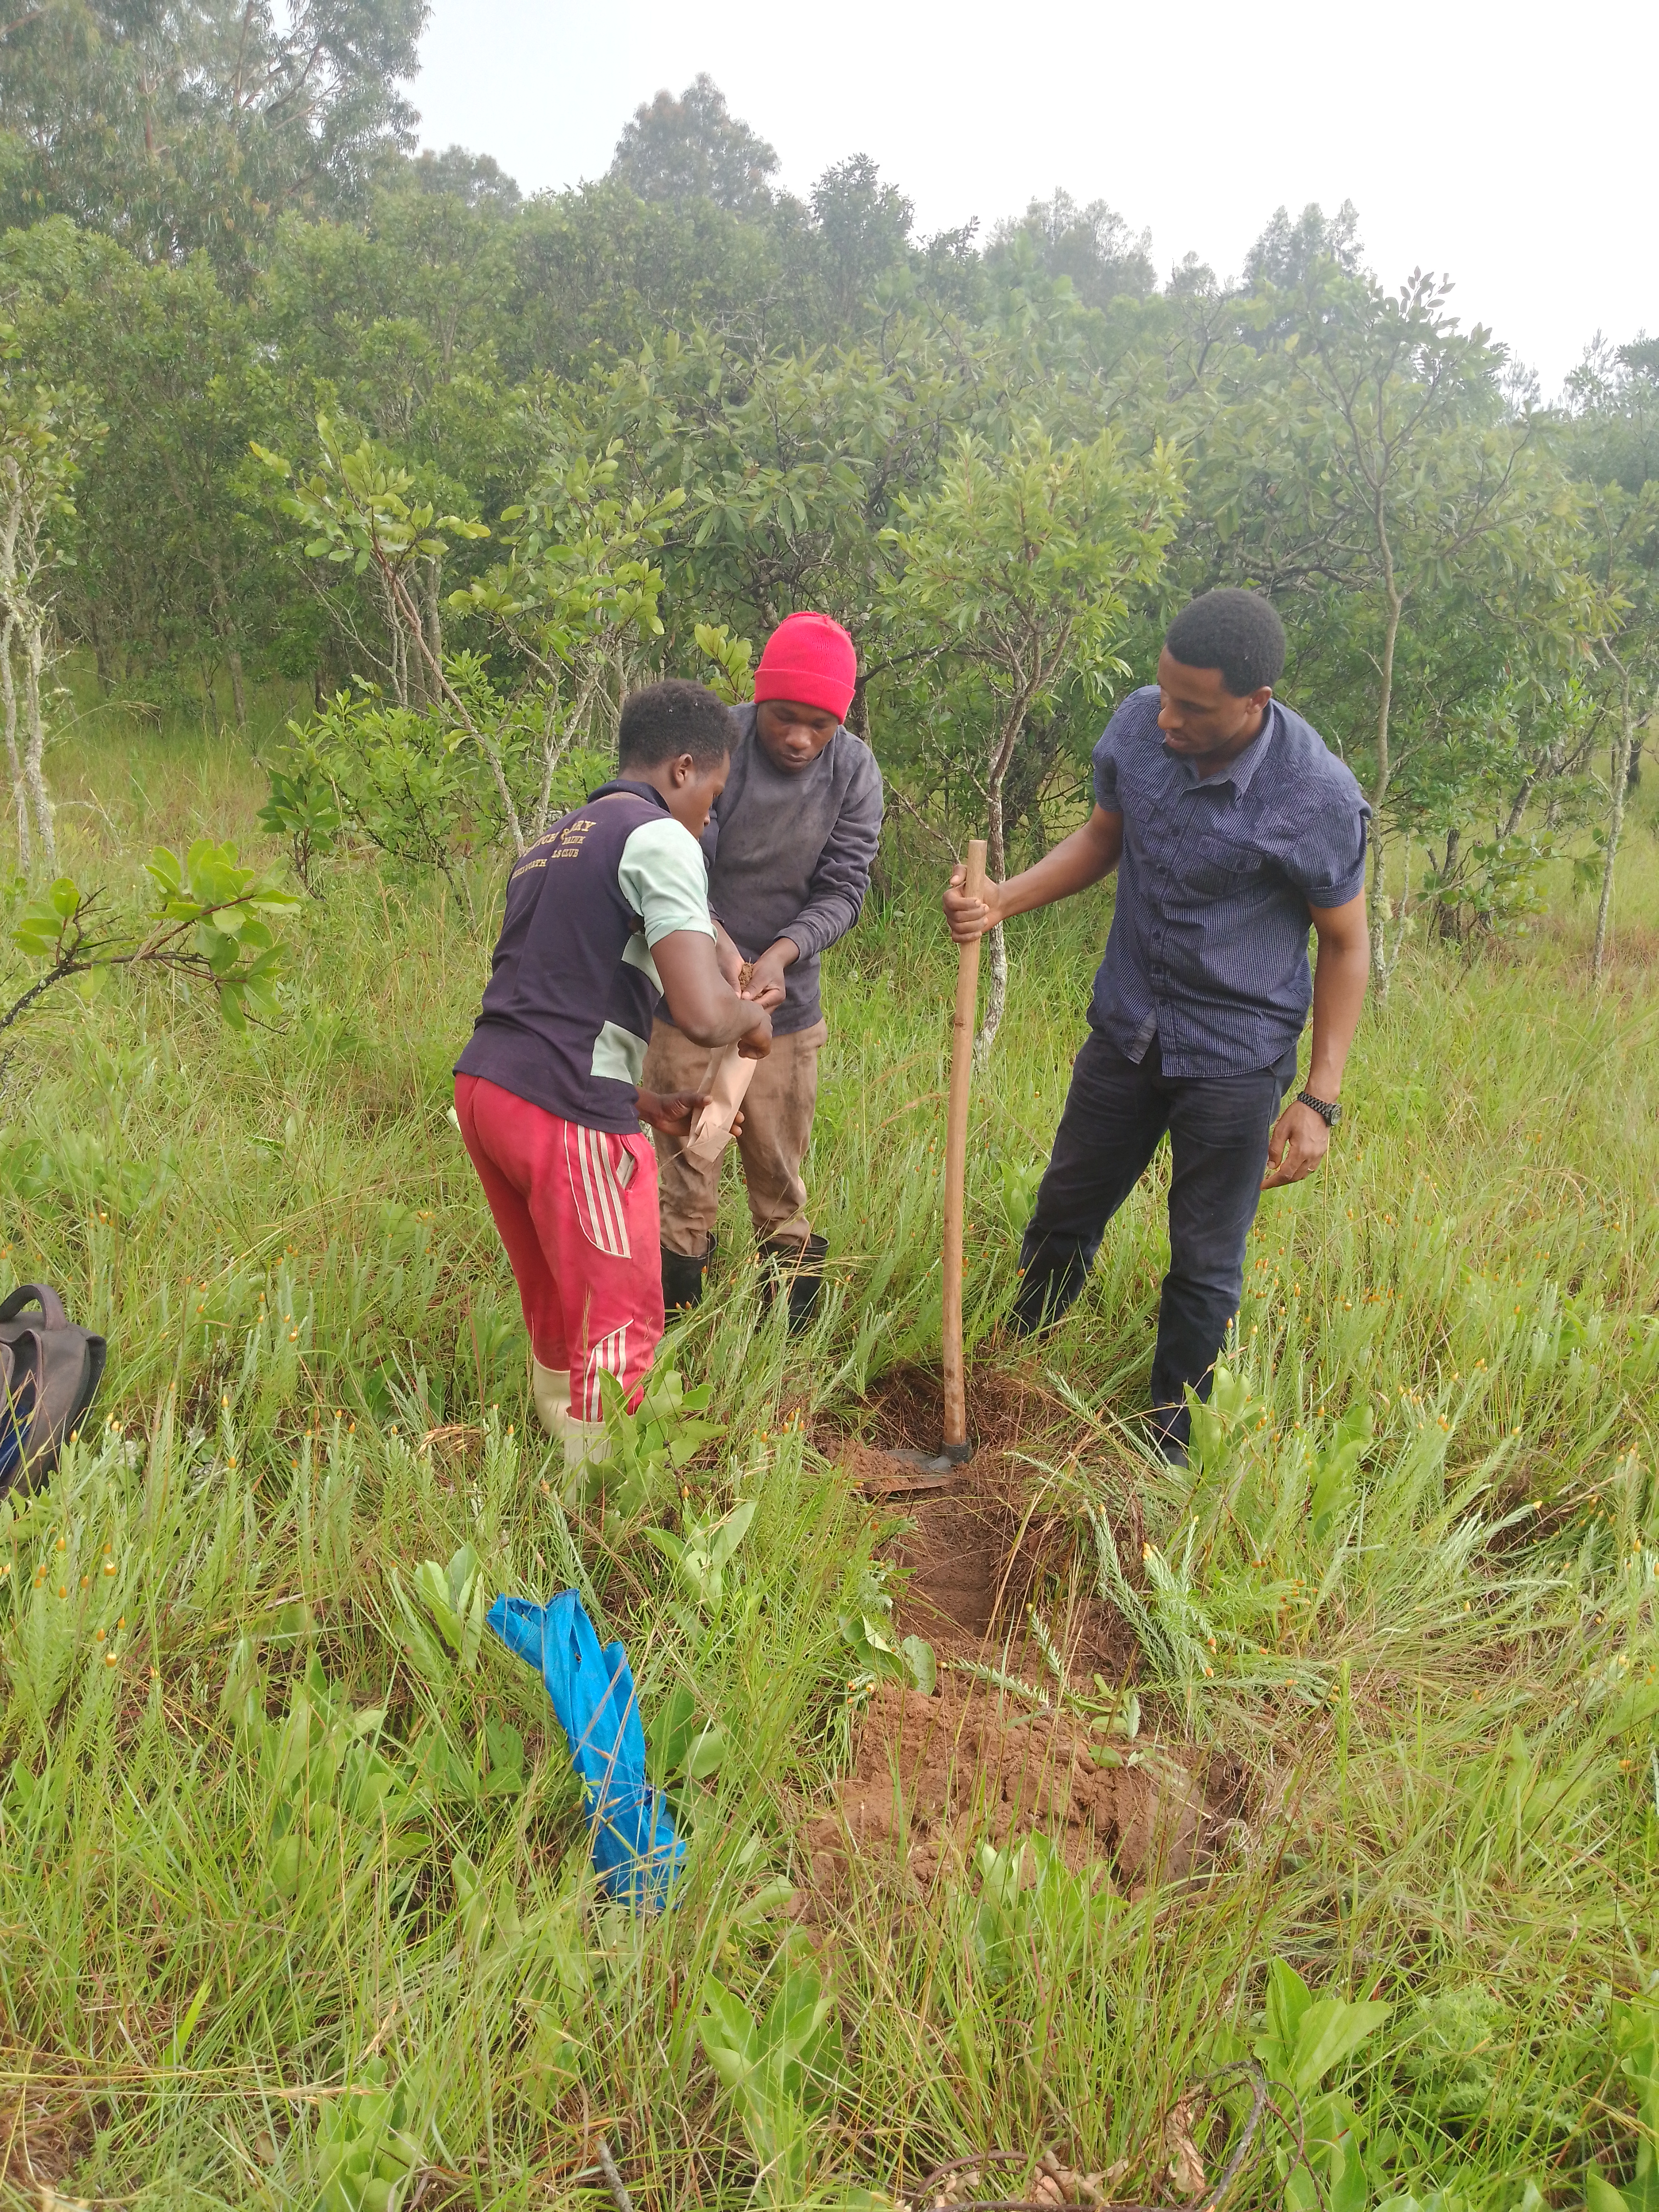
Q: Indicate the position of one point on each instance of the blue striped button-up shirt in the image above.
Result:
(1208, 949)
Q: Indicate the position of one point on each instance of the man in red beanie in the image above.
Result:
(790, 846)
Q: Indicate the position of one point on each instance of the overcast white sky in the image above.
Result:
(1511, 147)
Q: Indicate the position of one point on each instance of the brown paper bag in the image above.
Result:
(712, 1130)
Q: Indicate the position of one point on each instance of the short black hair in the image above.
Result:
(665, 719)
(1237, 632)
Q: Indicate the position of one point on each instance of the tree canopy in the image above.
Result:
(219, 240)
(184, 127)
(694, 149)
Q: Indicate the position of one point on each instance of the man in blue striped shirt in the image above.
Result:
(1232, 829)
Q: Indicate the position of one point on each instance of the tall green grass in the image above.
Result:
(266, 1872)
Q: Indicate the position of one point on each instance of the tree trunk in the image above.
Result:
(1449, 907)
(228, 638)
(35, 779)
(1380, 962)
(1615, 823)
(431, 574)
(996, 996)
(398, 641)
(404, 607)
(556, 743)
(1545, 769)
(20, 797)
(100, 655)
(858, 714)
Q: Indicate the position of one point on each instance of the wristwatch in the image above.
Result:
(1327, 1108)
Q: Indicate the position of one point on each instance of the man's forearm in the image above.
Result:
(1341, 974)
(1087, 856)
(727, 955)
(700, 1003)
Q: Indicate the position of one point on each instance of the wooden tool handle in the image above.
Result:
(955, 1164)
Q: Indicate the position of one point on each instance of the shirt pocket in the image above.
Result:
(1215, 864)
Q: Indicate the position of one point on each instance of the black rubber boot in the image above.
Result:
(682, 1279)
(1048, 1285)
(799, 1266)
(1168, 1429)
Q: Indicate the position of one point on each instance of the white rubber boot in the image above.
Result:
(585, 1444)
(550, 1389)
(586, 1449)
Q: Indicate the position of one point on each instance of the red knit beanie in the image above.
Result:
(809, 659)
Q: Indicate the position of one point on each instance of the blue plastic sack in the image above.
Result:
(635, 1851)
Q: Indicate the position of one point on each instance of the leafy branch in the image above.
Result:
(208, 925)
(358, 512)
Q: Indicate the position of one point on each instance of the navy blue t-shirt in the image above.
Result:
(567, 1011)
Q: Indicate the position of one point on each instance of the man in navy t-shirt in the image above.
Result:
(606, 915)
(1232, 829)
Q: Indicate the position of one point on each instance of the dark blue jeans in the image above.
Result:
(1115, 1113)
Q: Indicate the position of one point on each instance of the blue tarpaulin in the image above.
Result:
(635, 1850)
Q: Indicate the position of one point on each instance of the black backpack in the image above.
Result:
(49, 1373)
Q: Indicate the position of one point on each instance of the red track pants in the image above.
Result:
(577, 1211)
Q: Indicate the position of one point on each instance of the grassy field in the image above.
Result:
(291, 1892)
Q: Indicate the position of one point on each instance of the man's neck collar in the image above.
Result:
(1242, 765)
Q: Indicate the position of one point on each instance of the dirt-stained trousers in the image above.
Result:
(777, 1127)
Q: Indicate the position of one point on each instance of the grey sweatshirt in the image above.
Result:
(790, 855)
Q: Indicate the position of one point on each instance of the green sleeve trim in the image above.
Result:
(663, 879)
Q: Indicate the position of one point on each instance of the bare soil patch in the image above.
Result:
(933, 1776)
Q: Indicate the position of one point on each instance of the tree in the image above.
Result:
(44, 436)
(1612, 407)
(579, 591)
(1613, 443)
(862, 228)
(791, 465)
(177, 127)
(1092, 245)
(1286, 252)
(362, 510)
(476, 179)
(601, 273)
(1013, 572)
(1359, 466)
(694, 147)
(1624, 528)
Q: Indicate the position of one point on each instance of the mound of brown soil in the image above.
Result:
(980, 1556)
(934, 1775)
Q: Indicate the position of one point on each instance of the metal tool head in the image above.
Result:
(916, 1470)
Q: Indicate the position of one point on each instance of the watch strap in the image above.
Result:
(1327, 1108)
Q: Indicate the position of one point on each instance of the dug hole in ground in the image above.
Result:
(1031, 1725)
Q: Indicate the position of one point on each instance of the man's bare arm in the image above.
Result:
(700, 1002)
(728, 958)
(1300, 1138)
(1085, 857)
